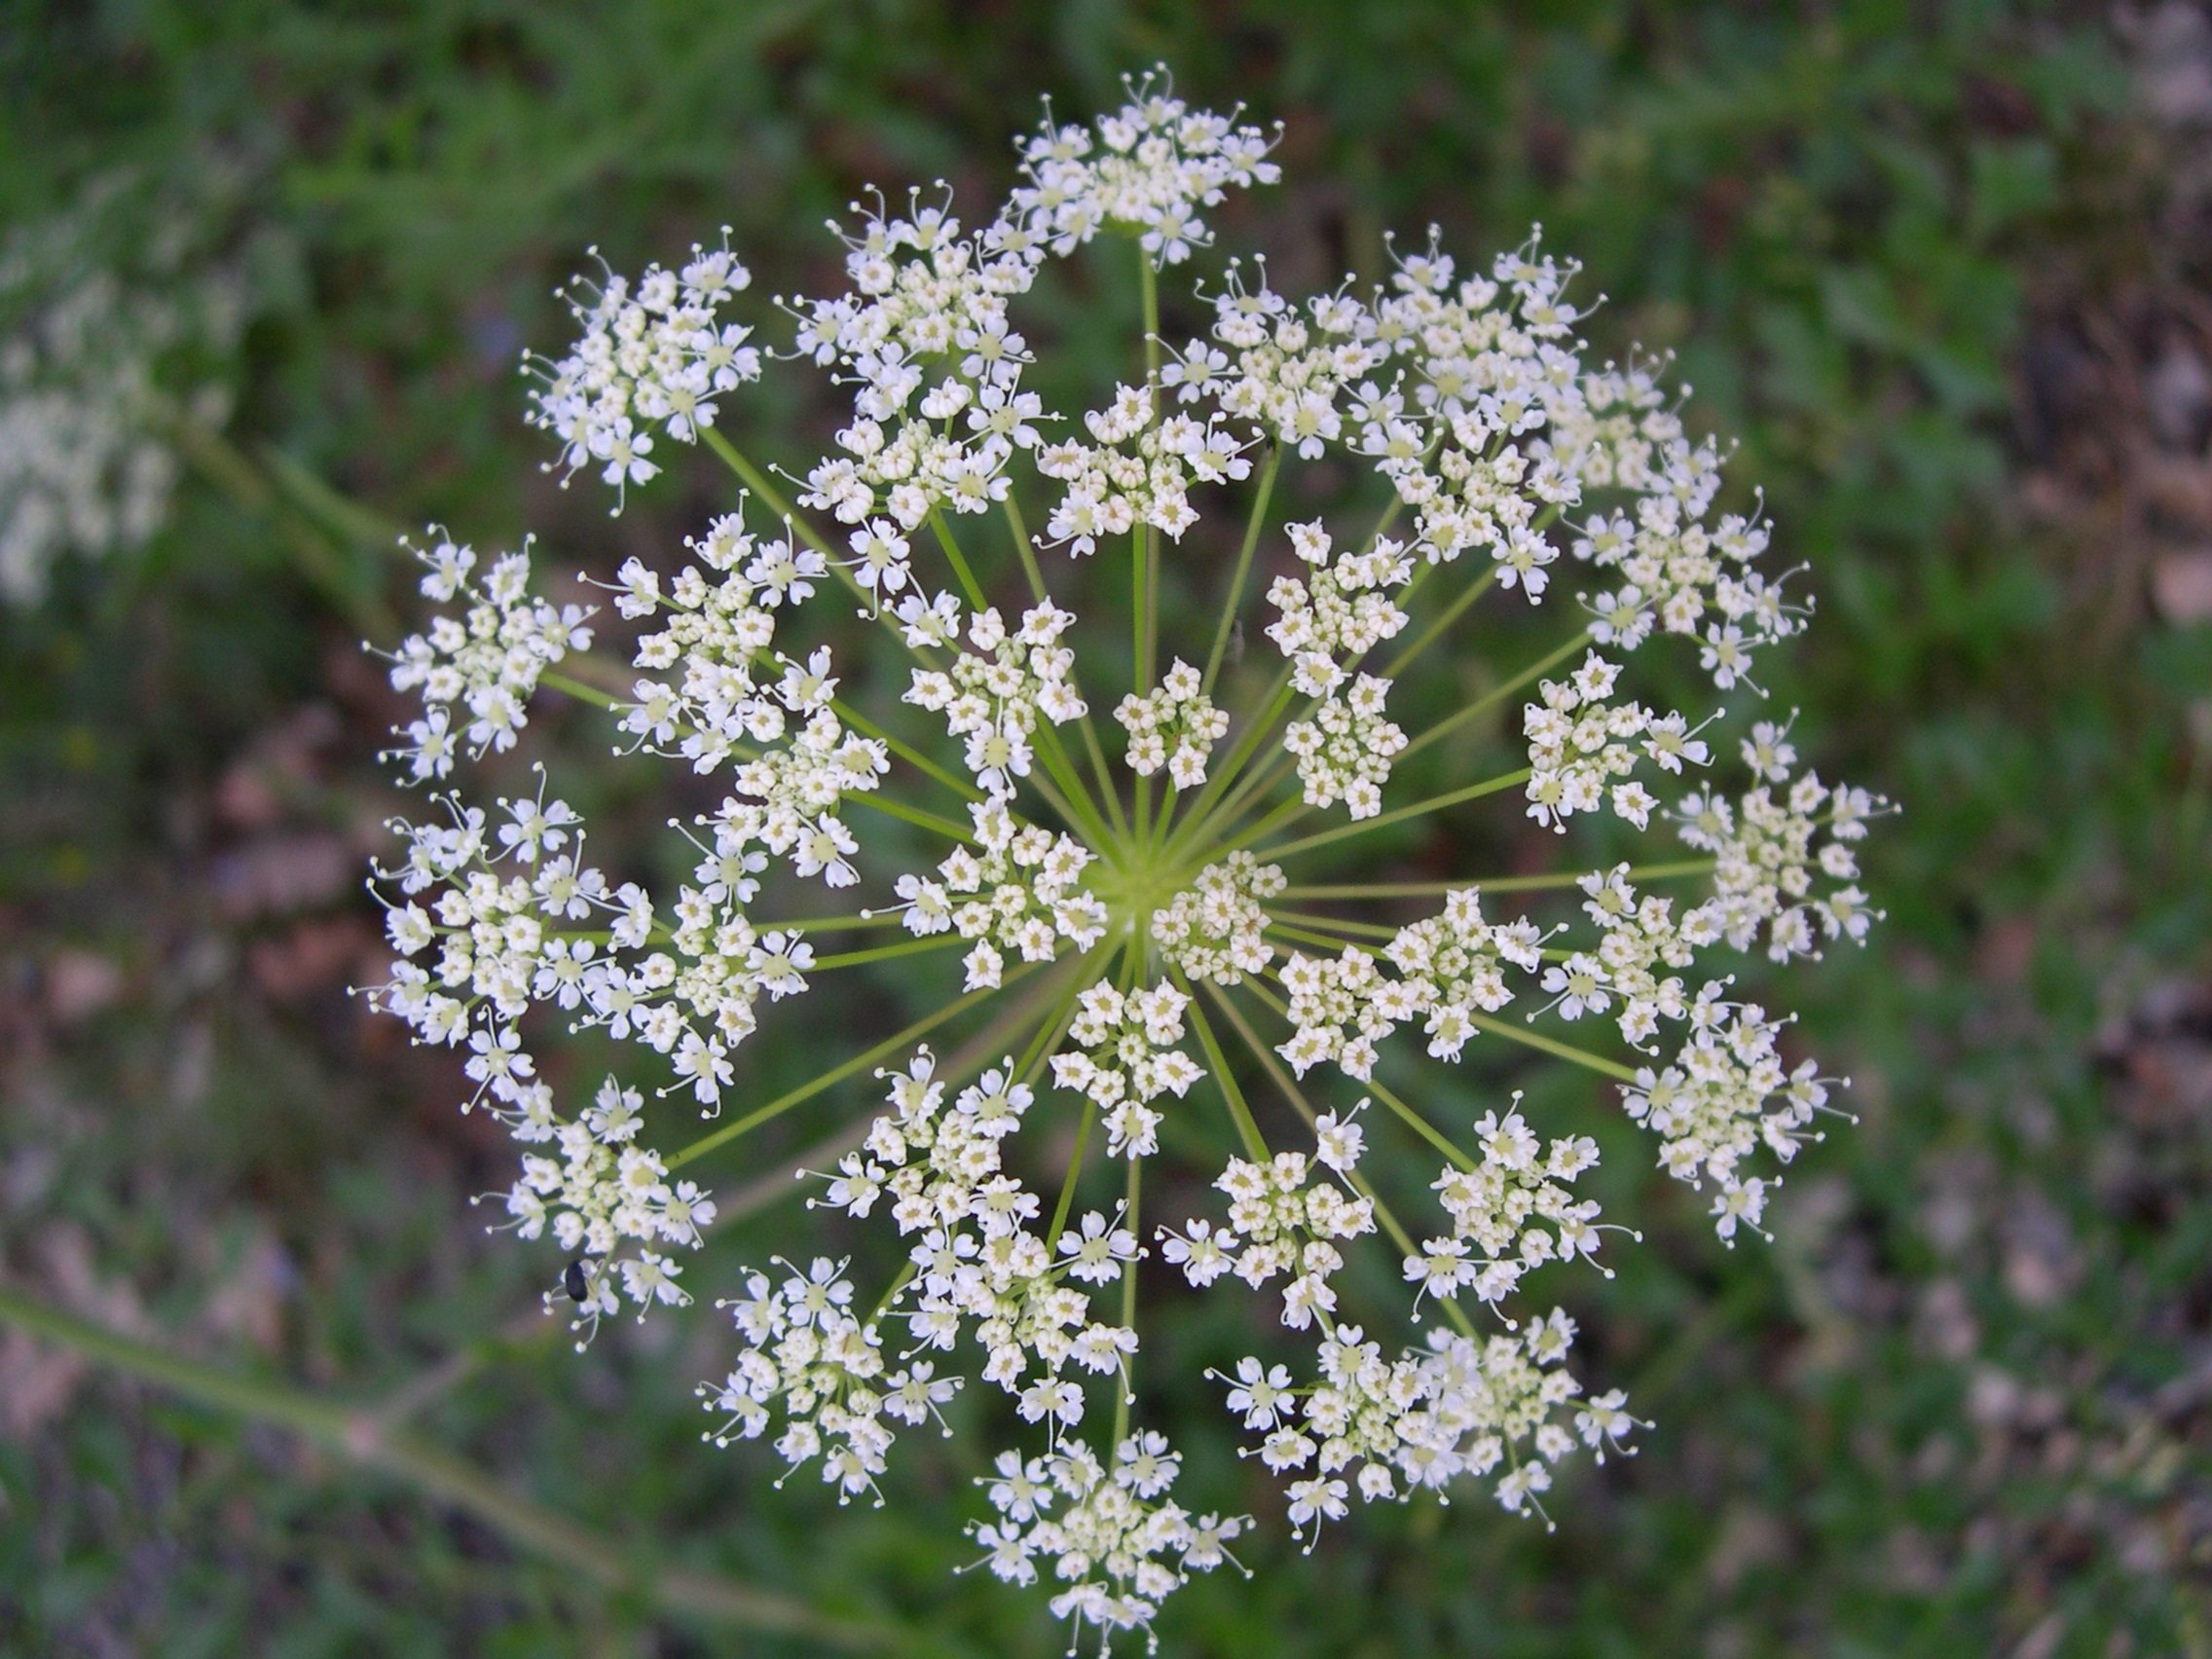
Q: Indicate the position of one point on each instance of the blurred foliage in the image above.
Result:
(1924, 258)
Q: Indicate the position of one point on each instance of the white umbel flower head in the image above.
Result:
(1169, 953)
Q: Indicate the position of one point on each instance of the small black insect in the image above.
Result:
(575, 1279)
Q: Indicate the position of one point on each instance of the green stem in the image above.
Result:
(780, 506)
(1289, 810)
(1326, 942)
(834, 1075)
(1550, 1046)
(945, 539)
(581, 691)
(1260, 781)
(906, 751)
(1336, 924)
(1240, 1110)
(1421, 1125)
(886, 952)
(1195, 819)
(1066, 1199)
(1048, 1035)
(249, 485)
(1452, 722)
(1027, 550)
(1391, 1226)
(1266, 782)
(772, 497)
(876, 801)
(1124, 1394)
(1435, 803)
(903, 1277)
(1451, 614)
(1252, 528)
(1493, 884)
(1106, 789)
(1070, 800)
(1203, 814)
(1139, 644)
(1148, 291)
(359, 1436)
(828, 924)
(1024, 548)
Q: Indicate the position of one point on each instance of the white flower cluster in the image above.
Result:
(1507, 1400)
(1111, 1534)
(1288, 370)
(977, 1261)
(1147, 169)
(484, 665)
(1490, 381)
(1019, 890)
(1125, 1058)
(119, 320)
(1214, 929)
(1138, 470)
(1345, 747)
(1727, 1091)
(1582, 744)
(1768, 862)
(737, 698)
(501, 950)
(1454, 964)
(1458, 1410)
(1340, 1009)
(1639, 942)
(470, 964)
(1338, 613)
(1472, 398)
(1511, 1211)
(657, 354)
(997, 689)
(1676, 570)
(1174, 727)
(1284, 1217)
(924, 335)
(602, 1190)
(807, 1353)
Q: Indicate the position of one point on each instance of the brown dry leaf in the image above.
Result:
(279, 874)
(2181, 585)
(249, 1301)
(310, 959)
(80, 984)
(37, 1382)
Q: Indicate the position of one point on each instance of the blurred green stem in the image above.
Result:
(250, 486)
(358, 1436)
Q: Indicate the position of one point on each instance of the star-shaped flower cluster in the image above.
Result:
(1214, 930)
(654, 355)
(1125, 1058)
(1175, 726)
(1124, 950)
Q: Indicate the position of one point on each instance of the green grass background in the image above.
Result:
(1932, 262)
